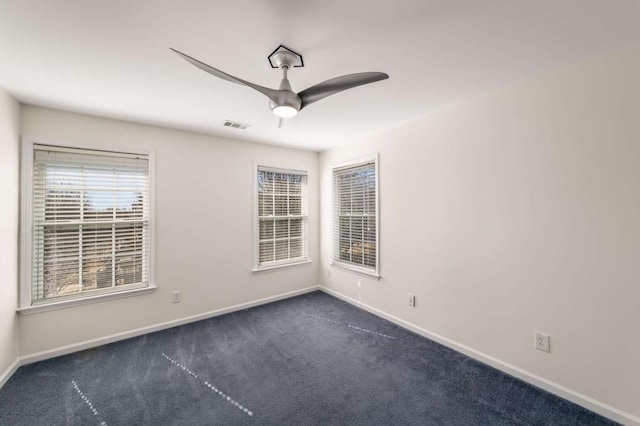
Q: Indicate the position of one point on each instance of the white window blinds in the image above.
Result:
(90, 230)
(355, 216)
(282, 217)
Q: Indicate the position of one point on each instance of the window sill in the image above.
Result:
(280, 266)
(28, 310)
(351, 268)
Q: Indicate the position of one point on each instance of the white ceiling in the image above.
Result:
(112, 58)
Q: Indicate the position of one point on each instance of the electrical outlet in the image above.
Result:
(412, 299)
(329, 272)
(176, 296)
(359, 283)
(542, 341)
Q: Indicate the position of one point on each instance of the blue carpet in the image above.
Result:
(308, 360)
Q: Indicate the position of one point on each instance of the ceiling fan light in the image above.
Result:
(285, 111)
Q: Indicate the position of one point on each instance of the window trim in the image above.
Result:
(25, 303)
(256, 231)
(374, 273)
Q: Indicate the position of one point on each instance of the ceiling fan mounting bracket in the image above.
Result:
(283, 57)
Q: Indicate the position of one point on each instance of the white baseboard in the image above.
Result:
(9, 372)
(63, 350)
(533, 379)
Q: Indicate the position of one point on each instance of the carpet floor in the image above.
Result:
(308, 360)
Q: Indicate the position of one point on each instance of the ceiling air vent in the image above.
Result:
(236, 125)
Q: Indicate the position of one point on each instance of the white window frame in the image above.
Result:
(257, 267)
(370, 272)
(25, 303)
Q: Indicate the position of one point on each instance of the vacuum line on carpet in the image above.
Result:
(369, 331)
(349, 325)
(87, 401)
(210, 386)
(321, 318)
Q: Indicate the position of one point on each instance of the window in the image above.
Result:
(355, 216)
(282, 219)
(87, 222)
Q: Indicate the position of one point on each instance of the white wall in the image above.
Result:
(9, 175)
(516, 212)
(204, 228)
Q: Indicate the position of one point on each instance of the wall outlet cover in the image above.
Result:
(541, 341)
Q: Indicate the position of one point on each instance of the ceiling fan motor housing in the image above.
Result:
(285, 99)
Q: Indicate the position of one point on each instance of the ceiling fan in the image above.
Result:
(284, 102)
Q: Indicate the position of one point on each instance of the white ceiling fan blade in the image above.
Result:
(272, 94)
(337, 85)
